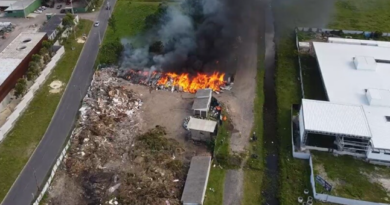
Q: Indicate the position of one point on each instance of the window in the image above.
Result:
(387, 152)
(376, 151)
(387, 118)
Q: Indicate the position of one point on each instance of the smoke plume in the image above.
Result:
(195, 36)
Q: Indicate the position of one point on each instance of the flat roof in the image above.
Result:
(203, 93)
(19, 5)
(379, 126)
(201, 125)
(196, 182)
(327, 117)
(52, 24)
(16, 51)
(357, 72)
(6, 3)
(343, 82)
(201, 103)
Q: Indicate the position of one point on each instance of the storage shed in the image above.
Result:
(202, 102)
(196, 182)
(201, 130)
(50, 28)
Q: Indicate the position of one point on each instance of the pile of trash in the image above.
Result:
(109, 161)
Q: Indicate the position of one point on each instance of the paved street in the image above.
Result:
(25, 189)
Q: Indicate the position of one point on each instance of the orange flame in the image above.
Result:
(200, 81)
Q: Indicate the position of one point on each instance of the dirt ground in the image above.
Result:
(168, 109)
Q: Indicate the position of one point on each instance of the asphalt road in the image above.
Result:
(25, 189)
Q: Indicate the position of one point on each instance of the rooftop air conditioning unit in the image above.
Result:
(364, 63)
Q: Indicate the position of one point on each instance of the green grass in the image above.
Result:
(16, 149)
(216, 183)
(294, 173)
(312, 81)
(350, 177)
(361, 15)
(130, 17)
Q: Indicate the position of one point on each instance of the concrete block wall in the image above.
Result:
(21, 107)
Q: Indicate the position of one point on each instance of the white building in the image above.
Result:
(202, 102)
(356, 120)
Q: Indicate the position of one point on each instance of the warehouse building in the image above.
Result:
(19, 8)
(356, 118)
(14, 61)
(201, 130)
(202, 102)
(196, 182)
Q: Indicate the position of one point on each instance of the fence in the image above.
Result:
(53, 172)
(21, 107)
(57, 164)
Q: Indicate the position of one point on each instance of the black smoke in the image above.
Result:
(194, 36)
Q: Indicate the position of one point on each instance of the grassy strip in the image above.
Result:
(361, 15)
(351, 178)
(294, 173)
(130, 17)
(214, 193)
(16, 149)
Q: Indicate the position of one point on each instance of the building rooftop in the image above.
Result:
(19, 5)
(357, 72)
(6, 3)
(201, 125)
(327, 117)
(16, 51)
(201, 104)
(196, 182)
(52, 24)
(203, 93)
(344, 83)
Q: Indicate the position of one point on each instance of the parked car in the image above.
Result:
(59, 6)
(96, 23)
(63, 11)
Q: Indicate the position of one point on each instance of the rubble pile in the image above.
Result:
(175, 82)
(108, 161)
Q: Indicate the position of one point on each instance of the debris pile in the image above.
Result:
(178, 82)
(108, 161)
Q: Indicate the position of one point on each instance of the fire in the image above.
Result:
(200, 81)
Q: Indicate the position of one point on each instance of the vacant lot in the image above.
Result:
(16, 149)
(352, 178)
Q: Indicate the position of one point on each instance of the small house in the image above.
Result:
(196, 182)
(201, 130)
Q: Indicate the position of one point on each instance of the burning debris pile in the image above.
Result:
(181, 82)
(108, 161)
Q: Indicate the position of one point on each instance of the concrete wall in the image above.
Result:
(21, 107)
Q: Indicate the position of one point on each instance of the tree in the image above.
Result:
(20, 87)
(32, 71)
(156, 47)
(111, 52)
(36, 58)
(68, 20)
(43, 51)
(153, 19)
(112, 23)
(47, 44)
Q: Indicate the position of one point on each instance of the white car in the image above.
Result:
(96, 23)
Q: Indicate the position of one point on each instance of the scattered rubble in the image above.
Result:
(109, 161)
